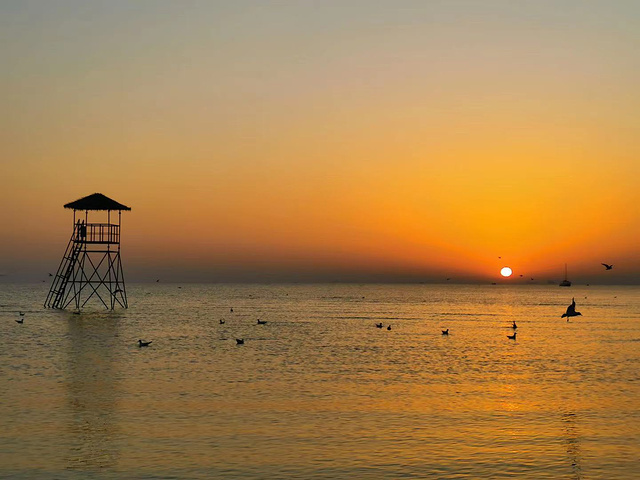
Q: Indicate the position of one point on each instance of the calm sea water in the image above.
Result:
(319, 391)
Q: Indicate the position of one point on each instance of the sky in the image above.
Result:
(326, 140)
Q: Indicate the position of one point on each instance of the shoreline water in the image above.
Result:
(319, 392)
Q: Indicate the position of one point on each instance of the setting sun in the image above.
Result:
(506, 272)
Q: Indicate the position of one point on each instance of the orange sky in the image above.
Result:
(326, 141)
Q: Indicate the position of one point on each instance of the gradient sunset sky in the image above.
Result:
(326, 140)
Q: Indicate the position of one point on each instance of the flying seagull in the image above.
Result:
(571, 310)
(608, 267)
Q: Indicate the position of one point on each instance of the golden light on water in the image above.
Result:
(506, 272)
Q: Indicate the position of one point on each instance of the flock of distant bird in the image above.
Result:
(571, 312)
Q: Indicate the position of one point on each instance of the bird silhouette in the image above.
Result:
(51, 275)
(221, 321)
(379, 325)
(20, 321)
(144, 344)
(239, 341)
(514, 326)
(262, 322)
(571, 310)
(389, 327)
(445, 332)
(608, 267)
(512, 337)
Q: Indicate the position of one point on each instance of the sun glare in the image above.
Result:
(506, 272)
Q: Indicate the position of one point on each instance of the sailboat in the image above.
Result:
(565, 282)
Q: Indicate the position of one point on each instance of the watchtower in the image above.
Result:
(91, 264)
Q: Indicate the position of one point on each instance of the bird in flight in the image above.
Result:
(571, 310)
(608, 267)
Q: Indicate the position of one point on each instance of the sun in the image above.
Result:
(506, 272)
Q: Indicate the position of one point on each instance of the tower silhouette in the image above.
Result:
(91, 266)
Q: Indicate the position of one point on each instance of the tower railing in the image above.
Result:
(97, 233)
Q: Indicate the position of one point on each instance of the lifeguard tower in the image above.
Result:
(91, 265)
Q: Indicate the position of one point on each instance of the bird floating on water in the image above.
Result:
(20, 321)
(21, 314)
(513, 325)
(445, 332)
(512, 337)
(144, 344)
(379, 325)
(262, 322)
(389, 327)
(239, 341)
(221, 321)
(571, 310)
(608, 267)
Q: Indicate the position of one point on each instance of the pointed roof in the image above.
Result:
(96, 201)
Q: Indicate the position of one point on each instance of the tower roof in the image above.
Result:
(96, 201)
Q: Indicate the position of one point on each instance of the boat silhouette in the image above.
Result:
(565, 282)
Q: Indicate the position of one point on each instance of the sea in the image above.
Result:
(319, 392)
